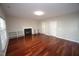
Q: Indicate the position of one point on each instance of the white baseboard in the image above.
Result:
(68, 39)
(64, 38)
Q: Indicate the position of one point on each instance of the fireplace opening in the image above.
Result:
(28, 31)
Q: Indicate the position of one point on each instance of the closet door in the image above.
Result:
(52, 25)
(3, 35)
(45, 28)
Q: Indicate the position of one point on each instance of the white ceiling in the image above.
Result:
(25, 10)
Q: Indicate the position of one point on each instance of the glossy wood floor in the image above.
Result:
(42, 45)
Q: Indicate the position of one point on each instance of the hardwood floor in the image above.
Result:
(42, 45)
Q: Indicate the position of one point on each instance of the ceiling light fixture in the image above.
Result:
(39, 13)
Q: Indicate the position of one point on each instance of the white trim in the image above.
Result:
(68, 40)
(5, 50)
(63, 38)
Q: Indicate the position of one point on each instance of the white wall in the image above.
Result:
(19, 24)
(66, 27)
(1, 13)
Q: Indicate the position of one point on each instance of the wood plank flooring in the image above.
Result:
(42, 45)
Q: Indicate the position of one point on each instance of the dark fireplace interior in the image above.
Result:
(28, 31)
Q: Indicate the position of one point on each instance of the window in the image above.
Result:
(2, 24)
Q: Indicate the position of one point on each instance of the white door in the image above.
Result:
(52, 28)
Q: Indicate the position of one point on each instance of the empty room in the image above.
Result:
(39, 29)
